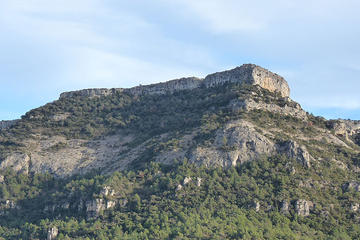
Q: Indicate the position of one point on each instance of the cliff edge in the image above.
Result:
(247, 74)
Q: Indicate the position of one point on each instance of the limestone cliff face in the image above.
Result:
(250, 74)
(167, 87)
(247, 74)
(7, 124)
(92, 92)
(345, 128)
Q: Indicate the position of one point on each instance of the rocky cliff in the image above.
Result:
(247, 74)
(250, 74)
(7, 124)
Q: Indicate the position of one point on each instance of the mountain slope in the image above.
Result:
(215, 122)
(227, 156)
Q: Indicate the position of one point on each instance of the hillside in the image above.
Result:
(230, 156)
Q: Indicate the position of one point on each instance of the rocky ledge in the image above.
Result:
(7, 124)
(247, 74)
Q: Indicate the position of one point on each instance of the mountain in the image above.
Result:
(229, 156)
(113, 128)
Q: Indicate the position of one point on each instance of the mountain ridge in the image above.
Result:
(246, 73)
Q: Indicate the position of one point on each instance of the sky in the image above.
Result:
(48, 47)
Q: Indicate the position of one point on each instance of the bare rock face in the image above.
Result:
(7, 124)
(294, 150)
(284, 207)
(166, 87)
(17, 161)
(8, 204)
(302, 207)
(178, 188)
(345, 128)
(187, 180)
(60, 116)
(290, 107)
(65, 157)
(247, 74)
(107, 191)
(236, 143)
(255, 205)
(198, 182)
(352, 186)
(52, 233)
(93, 92)
(110, 204)
(250, 74)
(94, 207)
(354, 207)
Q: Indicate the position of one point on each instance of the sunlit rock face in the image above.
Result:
(247, 74)
(250, 74)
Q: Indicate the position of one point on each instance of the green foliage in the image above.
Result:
(220, 208)
(149, 206)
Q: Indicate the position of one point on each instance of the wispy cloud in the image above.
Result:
(96, 46)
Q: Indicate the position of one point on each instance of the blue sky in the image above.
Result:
(48, 47)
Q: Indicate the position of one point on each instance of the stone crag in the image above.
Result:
(7, 124)
(253, 75)
(246, 74)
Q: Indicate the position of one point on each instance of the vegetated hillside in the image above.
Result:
(226, 157)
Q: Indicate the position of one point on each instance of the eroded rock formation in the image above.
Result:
(247, 74)
(303, 207)
(7, 124)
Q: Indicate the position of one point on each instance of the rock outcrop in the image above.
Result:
(178, 188)
(294, 150)
(303, 207)
(7, 124)
(166, 87)
(8, 204)
(253, 75)
(354, 207)
(107, 191)
(198, 181)
(246, 74)
(288, 108)
(284, 207)
(52, 233)
(187, 180)
(18, 161)
(345, 127)
(236, 143)
(96, 206)
(352, 186)
(255, 205)
(92, 92)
